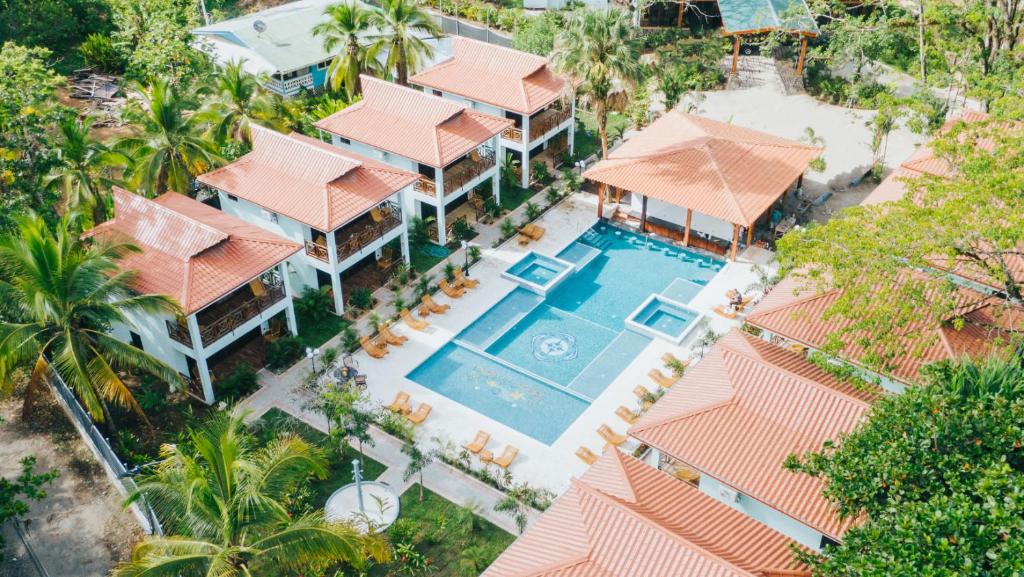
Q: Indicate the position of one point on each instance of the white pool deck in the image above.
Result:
(549, 466)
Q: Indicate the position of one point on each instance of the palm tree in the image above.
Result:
(597, 50)
(348, 26)
(237, 102)
(170, 149)
(418, 461)
(222, 501)
(398, 22)
(60, 296)
(83, 160)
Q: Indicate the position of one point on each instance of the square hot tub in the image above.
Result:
(664, 318)
(538, 273)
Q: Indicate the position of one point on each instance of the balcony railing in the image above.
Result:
(317, 251)
(472, 166)
(426, 186)
(291, 86)
(236, 316)
(512, 133)
(386, 219)
(547, 121)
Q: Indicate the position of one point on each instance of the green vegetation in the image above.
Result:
(513, 196)
(313, 333)
(16, 492)
(587, 137)
(425, 258)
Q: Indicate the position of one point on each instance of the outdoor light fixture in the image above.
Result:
(311, 355)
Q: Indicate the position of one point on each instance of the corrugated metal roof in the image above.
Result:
(307, 180)
(625, 518)
(507, 78)
(746, 406)
(725, 171)
(191, 252)
(425, 128)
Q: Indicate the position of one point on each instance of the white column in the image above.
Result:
(200, 356)
(332, 259)
(524, 181)
(406, 216)
(442, 238)
(572, 126)
(289, 312)
(499, 163)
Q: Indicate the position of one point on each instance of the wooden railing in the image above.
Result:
(449, 229)
(547, 121)
(229, 321)
(363, 236)
(425, 185)
(512, 133)
(458, 174)
(317, 251)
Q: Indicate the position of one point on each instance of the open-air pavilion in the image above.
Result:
(696, 180)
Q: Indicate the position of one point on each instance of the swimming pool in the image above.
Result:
(538, 273)
(536, 361)
(664, 318)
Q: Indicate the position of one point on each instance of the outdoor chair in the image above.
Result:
(420, 414)
(626, 415)
(429, 306)
(257, 288)
(451, 291)
(661, 378)
(610, 436)
(478, 443)
(462, 280)
(586, 455)
(670, 359)
(506, 458)
(390, 337)
(400, 404)
(412, 322)
(373, 349)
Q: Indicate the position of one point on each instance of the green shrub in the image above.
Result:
(492, 208)
(241, 382)
(571, 181)
(350, 338)
(283, 353)
(150, 396)
(418, 230)
(314, 304)
(540, 171)
(361, 298)
(449, 271)
(508, 228)
(532, 211)
(98, 50)
(553, 195)
(474, 254)
(462, 230)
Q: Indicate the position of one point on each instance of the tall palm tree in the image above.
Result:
(348, 26)
(222, 502)
(60, 295)
(398, 22)
(596, 49)
(80, 174)
(237, 101)
(170, 149)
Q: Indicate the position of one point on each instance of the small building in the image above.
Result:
(228, 276)
(511, 84)
(701, 181)
(624, 518)
(453, 148)
(734, 418)
(343, 208)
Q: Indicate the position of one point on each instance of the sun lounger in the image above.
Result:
(586, 455)
(464, 281)
(644, 395)
(478, 443)
(626, 415)
(524, 240)
(533, 231)
(451, 291)
(610, 436)
(400, 404)
(420, 414)
(669, 359)
(506, 458)
(373, 349)
(661, 378)
(413, 322)
(722, 312)
(389, 337)
(429, 306)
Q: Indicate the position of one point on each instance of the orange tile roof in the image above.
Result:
(507, 78)
(308, 180)
(725, 171)
(746, 406)
(425, 128)
(796, 313)
(191, 252)
(625, 518)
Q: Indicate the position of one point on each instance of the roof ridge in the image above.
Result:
(305, 141)
(718, 171)
(730, 400)
(196, 221)
(799, 300)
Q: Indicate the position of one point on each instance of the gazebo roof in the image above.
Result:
(753, 16)
(718, 169)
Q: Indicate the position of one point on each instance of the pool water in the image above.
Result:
(536, 361)
(664, 318)
(537, 272)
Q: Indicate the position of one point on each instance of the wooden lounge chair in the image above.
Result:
(506, 458)
(626, 415)
(451, 291)
(478, 443)
(373, 349)
(464, 281)
(586, 455)
(729, 314)
(413, 322)
(429, 306)
(533, 231)
(644, 395)
(376, 215)
(661, 378)
(669, 359)
(524, 240)
(257, 288)
(401, 404)
(390, 337)
(610, 436)
(420, 414)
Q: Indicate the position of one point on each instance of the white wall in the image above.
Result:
(676, 214)
(367, 150)
(155, 340)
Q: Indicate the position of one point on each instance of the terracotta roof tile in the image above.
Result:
(407, 122)
(308, 180)
(747, 405)
(725, 171)
(190, 251)
(624, 517)
(507, 78)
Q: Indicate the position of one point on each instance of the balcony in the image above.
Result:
(367, 229)
(458, 174)
(231, 312)
(425, 186)
(291, 86)
(546, 121)
(512, 133)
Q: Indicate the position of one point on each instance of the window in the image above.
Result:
(323, 65)
(436, 92)
(136, 340)
(343, 140)
(827, 543)
(232, 198)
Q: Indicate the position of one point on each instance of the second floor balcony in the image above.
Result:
(290, 86)
(459, 173)
(231, 311)
(547, 120)
(358, 234)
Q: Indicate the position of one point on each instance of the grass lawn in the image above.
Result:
(587, 139)
(315, 333)
(445, 535)
(422, 261)
(339, 471)
(512, 197)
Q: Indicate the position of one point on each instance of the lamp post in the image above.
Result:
(311, 354)
(465, 253)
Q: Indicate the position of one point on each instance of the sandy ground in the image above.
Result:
(78, 529)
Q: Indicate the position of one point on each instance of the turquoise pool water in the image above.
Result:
(665, 319)
(536, 362)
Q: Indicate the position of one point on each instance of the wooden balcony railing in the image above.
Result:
(317, 251)
(547, 121)
(472, 166)
(449, 229)
(387, 218)
(426, 186)
(512, 133)
(211, 331)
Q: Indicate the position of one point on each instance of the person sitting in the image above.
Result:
(735, 300)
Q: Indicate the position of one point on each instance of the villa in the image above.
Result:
(732, 420)
(228, 276)
(623, 517)
(454, 149)
(344, 208)
(511, 84)
(718, 178)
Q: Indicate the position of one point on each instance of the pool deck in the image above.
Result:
(539, 464)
